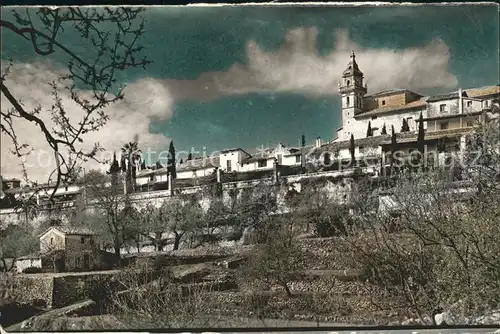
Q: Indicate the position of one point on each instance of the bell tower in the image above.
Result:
(352, 90)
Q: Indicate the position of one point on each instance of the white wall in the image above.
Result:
(191, 174)
(27, 263)
(290, 160)
(254, 165)
(235, 157)
(359, 126)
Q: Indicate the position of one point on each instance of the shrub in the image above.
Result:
(235, 235)
(32, 270)
(332, 225)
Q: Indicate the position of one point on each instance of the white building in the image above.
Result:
(391, 107)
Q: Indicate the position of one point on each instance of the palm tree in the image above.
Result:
(132, 154)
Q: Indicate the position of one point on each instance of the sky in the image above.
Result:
(246, 76)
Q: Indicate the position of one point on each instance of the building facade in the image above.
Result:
(67, 248)
(367, 124)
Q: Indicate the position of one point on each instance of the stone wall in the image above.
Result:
(71, 289)
(231, 191)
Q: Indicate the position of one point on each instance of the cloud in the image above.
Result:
(297, 67)
(145, 100)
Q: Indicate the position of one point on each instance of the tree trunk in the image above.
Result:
(287, 290)
(158, 246)
(117, 254)
(177, 241)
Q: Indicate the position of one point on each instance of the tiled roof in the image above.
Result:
(446, 96)
(200, 163)
(158, 171)
(257, 157)
(412, 105)
(472, 92)
(32, 256)
(71, 230)
(483, 91)
(391, 92)
(234, 150)
(408, 137)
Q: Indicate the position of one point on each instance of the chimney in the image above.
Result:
(318, 142)
(460, 101)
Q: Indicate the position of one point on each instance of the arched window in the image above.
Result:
(348, 102)
(348, 82)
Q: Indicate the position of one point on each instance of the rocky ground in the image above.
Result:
(329, 293)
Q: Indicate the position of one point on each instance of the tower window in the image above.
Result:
(347, 100)
(383, 102)
(348, 82)
(350, 67)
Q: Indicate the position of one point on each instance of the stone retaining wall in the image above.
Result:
(36, 289)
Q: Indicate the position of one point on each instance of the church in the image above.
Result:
(371, 119)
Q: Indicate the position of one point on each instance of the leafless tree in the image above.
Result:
(112, 217)
(277, 261)
(113, 34)
(443, 251)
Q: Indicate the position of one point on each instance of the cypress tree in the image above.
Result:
(352, 148)
(421, 134)
(405, 127)
(114, 167)
(369, 132)
(384, 130)
(171, 160)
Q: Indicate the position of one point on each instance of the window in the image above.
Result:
(82, 240)
(262, 163)
(469, 103)
(297, 159)
(228, 165)
(348, 82)
(77, 260)
(485, 103)
(444, 125)
(347, 102)
(51, 241)
(442, 108)
(383, 102)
